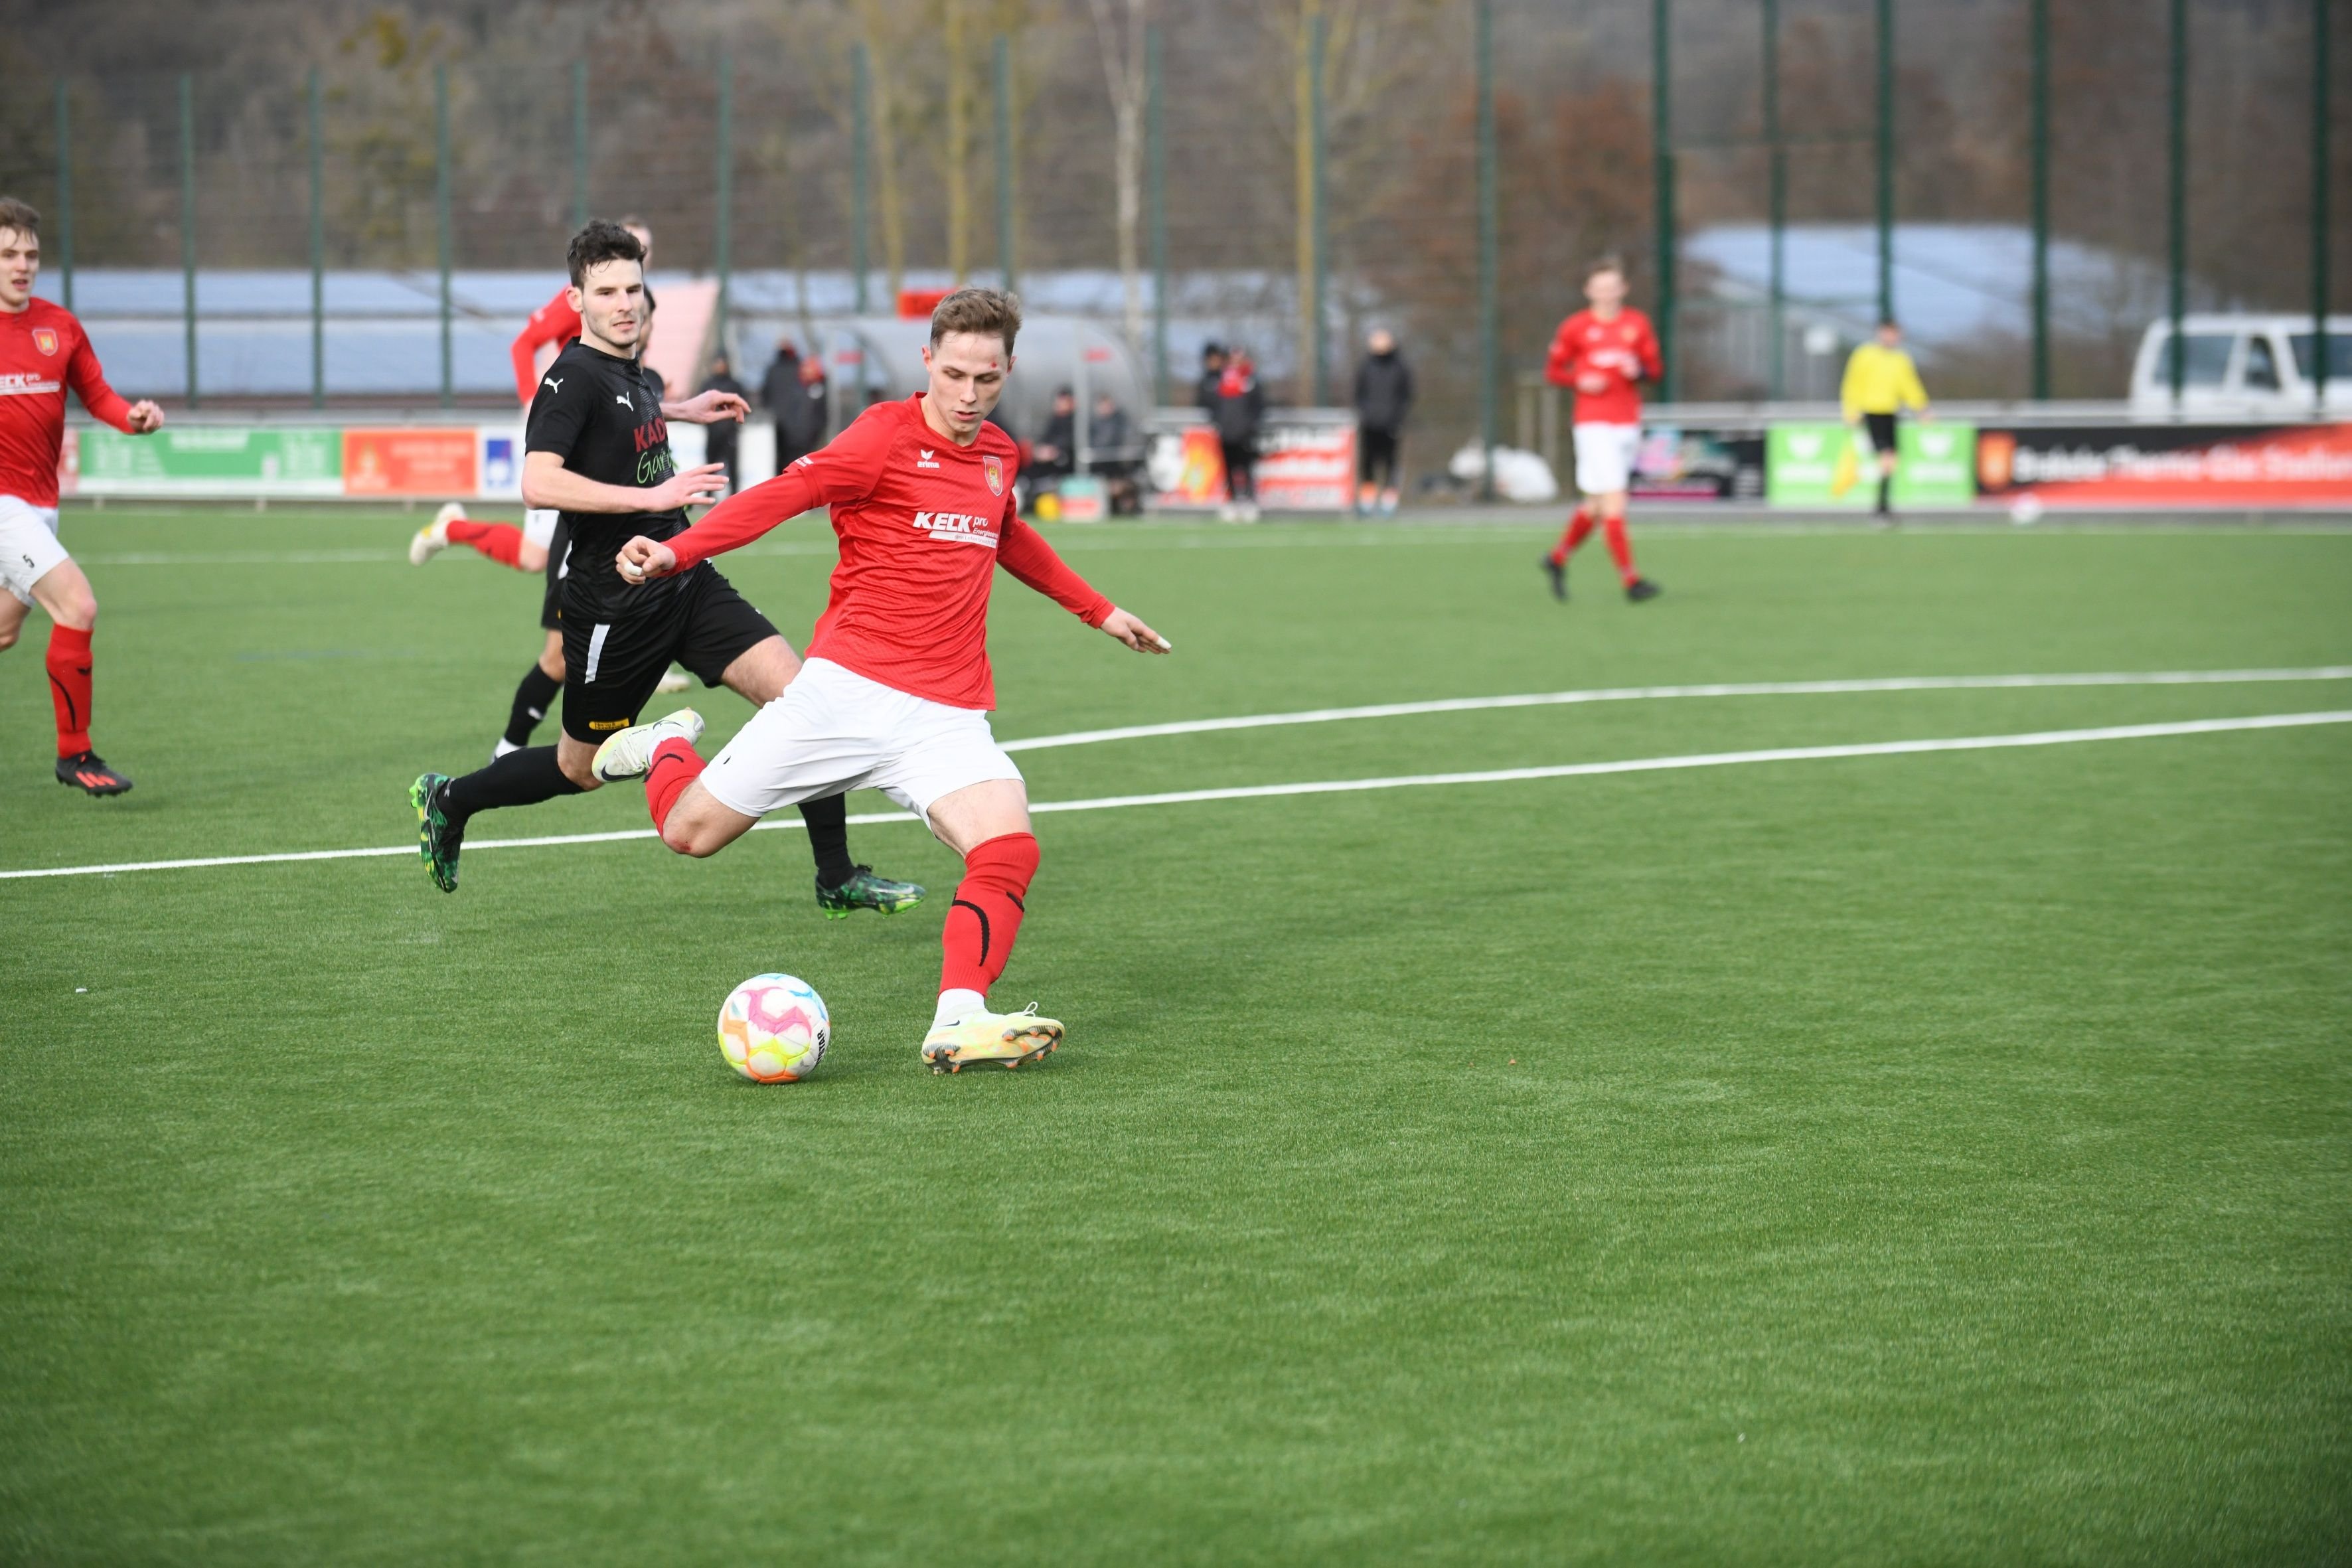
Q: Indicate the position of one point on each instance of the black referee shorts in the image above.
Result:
(611, 667)
(1882, 431)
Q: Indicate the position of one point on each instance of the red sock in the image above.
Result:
(69, 662)
(501, 541)
(676, 765)
(1620, 548)
(1579, 529)
(986, 914)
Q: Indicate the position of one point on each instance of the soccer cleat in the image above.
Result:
(89, 772)
(434, 537)
(864, 890)
(673, 679)
(1558, 571)
(1642, 588)
(630, 753)
(437, 838)
(1008, 1037)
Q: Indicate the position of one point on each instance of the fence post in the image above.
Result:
(318, 251)
(65, 197)
(1004, 257)
(2176, 195)
(2041, 156)
(861, 92)
(1489, 242)
(579, 145)
(1776, 380)
(188, 232)
(2319, 258)
(1156, 172)
(1318, 235)
(1885, 202)
(441, 219)
(725, 176)
(1662, 163)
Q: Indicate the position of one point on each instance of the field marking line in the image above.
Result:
(1338, 786)
(1651, 693)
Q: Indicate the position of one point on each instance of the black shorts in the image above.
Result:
(1377, 455)
(1882, 431)
(559, 559)
(611, 667)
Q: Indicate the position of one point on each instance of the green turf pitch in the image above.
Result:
(1931, 1158)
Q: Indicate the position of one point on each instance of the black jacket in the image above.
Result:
(797, 406)
(720, 437)
(1236, 416)
(1383, 391)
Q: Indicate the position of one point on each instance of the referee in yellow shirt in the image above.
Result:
(1881, 382)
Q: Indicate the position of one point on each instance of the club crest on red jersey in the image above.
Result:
(45, 340)
(993, 469)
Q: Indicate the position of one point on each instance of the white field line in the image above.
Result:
(1345, 786)
(1654, 693)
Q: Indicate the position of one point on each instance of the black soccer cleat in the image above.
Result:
(1642, 588)
(89, 774)
(438, 840)
(1558, 571)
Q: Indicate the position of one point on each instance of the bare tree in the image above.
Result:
(1120, 32)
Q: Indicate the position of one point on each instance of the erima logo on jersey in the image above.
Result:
(925, 460)
(957, 527)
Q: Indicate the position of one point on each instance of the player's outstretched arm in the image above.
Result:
(547, 483)
(1023, 551)
(707, 409)
(1130, 631)
(734, 522)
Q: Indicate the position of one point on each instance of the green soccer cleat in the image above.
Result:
(866, 890)
(1011, 1038)
(438, 839)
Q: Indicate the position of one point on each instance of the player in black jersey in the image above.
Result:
(597, 449)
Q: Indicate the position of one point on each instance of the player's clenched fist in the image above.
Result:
(642, 559)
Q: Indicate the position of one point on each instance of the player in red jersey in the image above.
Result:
(1605, 353)
(896, 689)
(43, 351)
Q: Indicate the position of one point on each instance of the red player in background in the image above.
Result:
(1604, 353)
(43, 351)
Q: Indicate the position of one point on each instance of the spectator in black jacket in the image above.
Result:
(1054, 455)
(1383, 402)
(718, 440)
(1213, 366)
(793, 391)
(1238, 408)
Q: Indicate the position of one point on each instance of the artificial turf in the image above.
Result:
(1931, 1158)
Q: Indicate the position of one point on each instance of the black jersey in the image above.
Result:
(602, 417)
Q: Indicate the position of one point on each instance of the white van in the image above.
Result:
(2243, 366)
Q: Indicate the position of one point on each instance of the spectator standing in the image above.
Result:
(1880, 382)
(1383, 402)
(1238, 410)
(720, 440)
(794, 393)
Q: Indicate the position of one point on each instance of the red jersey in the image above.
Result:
(1605, 362)
(555, 324)
(923, 524)
(43, 351)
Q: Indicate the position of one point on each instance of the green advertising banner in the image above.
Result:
(1803, 463)
(224, 459)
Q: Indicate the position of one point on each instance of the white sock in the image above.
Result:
(955, 1007)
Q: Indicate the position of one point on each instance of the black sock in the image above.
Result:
(829, 834)
(518, 778)
(1886, 485)
(534, 695)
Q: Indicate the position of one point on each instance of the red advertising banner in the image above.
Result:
(415, 461)
(2168, 465)
(1306, 463)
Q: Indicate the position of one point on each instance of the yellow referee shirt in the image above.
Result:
(1880, 380)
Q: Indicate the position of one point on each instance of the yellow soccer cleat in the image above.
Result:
(1008, 1037)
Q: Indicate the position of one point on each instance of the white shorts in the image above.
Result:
(538, 525)
(29, 549)
(833, 730)
(1604, 458)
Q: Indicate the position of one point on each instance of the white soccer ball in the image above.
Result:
(2025, 511)
(773, 1029)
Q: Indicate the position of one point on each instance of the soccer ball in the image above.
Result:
(773, 1029)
